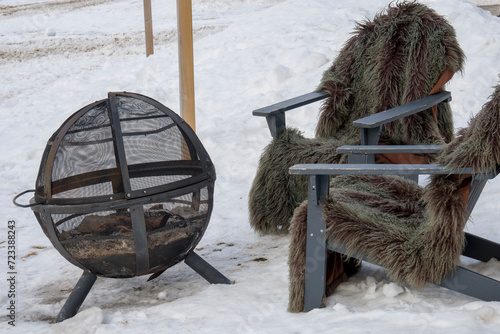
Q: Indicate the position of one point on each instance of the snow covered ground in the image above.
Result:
(58, 56)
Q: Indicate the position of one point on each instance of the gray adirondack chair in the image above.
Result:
(389, 64)
(361, 162)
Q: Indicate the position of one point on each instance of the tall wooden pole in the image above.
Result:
(186, 64)
(148, 27)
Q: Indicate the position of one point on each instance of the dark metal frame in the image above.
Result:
(200, 167)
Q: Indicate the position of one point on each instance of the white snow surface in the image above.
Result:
(58, 56)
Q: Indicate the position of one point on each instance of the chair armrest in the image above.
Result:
(275, 114)
(376, 149)
(290, 104)
(407, 109)
(319, 175)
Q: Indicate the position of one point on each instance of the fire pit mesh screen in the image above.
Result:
(149, 136)
(125, 187)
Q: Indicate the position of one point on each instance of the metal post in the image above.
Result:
(77, 296)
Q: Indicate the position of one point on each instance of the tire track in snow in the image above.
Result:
(116, 44)
(33, 8)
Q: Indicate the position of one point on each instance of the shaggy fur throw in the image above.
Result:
(415, 233)
(478, 145)
(275, 194)
(396, 58)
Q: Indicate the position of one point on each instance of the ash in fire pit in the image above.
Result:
(125, 188)
(104, 241)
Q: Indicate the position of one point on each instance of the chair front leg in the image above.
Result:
(315, 275)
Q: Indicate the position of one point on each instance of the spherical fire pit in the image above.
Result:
(125, 188)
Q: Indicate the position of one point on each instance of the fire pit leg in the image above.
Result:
(77, 296)
(205, 270)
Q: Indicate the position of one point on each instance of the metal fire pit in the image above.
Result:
(125, 188)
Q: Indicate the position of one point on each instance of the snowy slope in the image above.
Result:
(56, 57)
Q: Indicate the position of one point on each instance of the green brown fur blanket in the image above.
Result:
(415, 232)
(393, 59)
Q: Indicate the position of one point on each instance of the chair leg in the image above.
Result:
(315, 275)
(465, 280)
(475, 191)
(473, 284)
(480, 249)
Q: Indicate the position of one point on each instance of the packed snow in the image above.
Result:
(58, 56)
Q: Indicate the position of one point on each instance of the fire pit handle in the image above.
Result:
(24, 205)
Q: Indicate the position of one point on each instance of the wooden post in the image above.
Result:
(186, 64)
(148, 25)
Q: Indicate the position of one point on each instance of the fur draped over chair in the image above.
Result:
(397, 57)
(415, 233)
